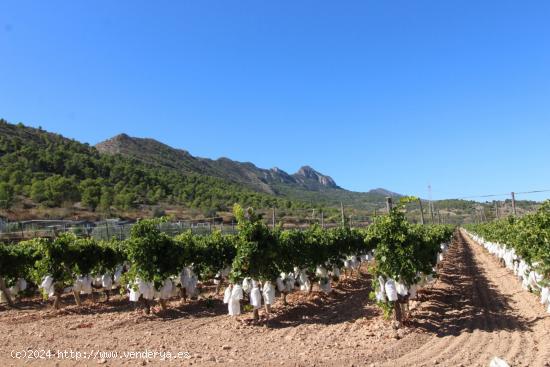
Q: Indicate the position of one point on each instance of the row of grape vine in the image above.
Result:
(152, 265)
(523, 246)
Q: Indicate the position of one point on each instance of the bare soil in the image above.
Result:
(475, 311)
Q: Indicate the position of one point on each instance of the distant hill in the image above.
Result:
(41, 171)
(38, 168)
(246, 173)
(306, 185)
(43, 174)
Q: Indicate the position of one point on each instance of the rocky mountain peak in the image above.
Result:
(307, 174)
(121, 137)
(115, 144)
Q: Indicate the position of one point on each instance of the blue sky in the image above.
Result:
(393, 94)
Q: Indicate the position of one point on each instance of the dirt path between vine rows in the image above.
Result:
(476, 310)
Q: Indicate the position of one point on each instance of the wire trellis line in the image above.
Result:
(506, 194)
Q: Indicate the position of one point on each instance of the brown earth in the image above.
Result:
(476, 310)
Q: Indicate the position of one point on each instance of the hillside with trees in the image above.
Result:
(307, 184)
(43, 174)
(46, 169)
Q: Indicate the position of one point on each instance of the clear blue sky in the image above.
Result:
(393, 94)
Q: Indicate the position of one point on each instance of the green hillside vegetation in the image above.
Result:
(306, 185)
(46, 172)
(53, 171)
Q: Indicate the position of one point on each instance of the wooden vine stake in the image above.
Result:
(397, 311)
(514, 203)
(77, 298)
(389, 204)
(183, 294)
(284, 298)
(107, 294)
(57, 297)
(421, 211)
(267, 312)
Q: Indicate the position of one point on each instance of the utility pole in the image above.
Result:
(496, 209)
(514, 203)
(322, 220)
(438, 217)
(389, 204)
(421, 211)
(273, 217)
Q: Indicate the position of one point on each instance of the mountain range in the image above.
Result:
(306, 184)
(46, 175)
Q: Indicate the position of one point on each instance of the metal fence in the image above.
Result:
(121, 232)
(106, 230)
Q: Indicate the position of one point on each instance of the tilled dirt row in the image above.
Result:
(476, 310)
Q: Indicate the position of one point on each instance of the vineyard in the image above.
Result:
(151, 265)
(393, 293)
(275, 183)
